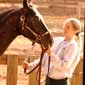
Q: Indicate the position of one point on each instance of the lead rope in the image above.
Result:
(48, 64)
(39, 69)
(38, 65)
(31, 70)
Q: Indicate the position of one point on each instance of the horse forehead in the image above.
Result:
(40, 17)
(37, 13)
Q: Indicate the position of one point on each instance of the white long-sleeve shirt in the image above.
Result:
(65, 56)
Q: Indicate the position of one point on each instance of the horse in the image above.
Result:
(26, 21)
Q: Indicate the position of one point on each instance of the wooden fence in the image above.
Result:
(12, 62)
(62, 8)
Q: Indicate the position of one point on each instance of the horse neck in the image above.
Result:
(8, 32)
(6, 37)
(5, 13)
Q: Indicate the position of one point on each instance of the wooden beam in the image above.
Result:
(12, 70)
(3, 59)
(33, 79)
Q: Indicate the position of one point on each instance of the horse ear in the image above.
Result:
(25, 3)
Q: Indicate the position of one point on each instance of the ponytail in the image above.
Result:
(78, 39)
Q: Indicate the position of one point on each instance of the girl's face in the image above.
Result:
(69, 32)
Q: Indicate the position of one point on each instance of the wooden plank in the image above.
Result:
(77, 78)
(32, 79)
(49, 8)
(3, 59)
(12, 70)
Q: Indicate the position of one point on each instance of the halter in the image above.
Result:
(24, 25)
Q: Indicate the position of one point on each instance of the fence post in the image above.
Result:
(12, 70)
(32, 76)
(32, 79)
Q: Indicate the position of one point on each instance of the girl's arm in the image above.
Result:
(31, 65)
(70, 59)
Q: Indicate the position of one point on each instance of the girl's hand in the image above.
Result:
(25, 66)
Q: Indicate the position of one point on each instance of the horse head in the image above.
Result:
(33, 26)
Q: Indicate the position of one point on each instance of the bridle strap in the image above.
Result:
(31, 30)
(35, 34)
(24, 25)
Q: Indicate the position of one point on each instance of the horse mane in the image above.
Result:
(5, 13)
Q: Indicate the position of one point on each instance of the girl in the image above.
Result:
(65, 55)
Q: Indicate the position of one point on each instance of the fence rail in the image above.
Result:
(63, 9)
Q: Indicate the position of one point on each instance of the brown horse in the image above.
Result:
(25, 21)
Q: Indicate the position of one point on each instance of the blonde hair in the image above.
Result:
(76, 26)
(76, 23)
